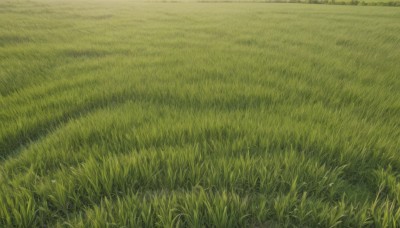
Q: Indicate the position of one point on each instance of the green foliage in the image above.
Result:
(127, 114)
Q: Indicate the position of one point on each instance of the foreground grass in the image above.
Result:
(199, 115)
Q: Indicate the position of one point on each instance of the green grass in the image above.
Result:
(199, 115)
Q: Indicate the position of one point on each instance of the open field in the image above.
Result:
(199, 115)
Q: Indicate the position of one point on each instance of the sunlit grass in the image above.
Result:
(199, 115)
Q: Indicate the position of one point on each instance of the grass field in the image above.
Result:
(199, 115)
